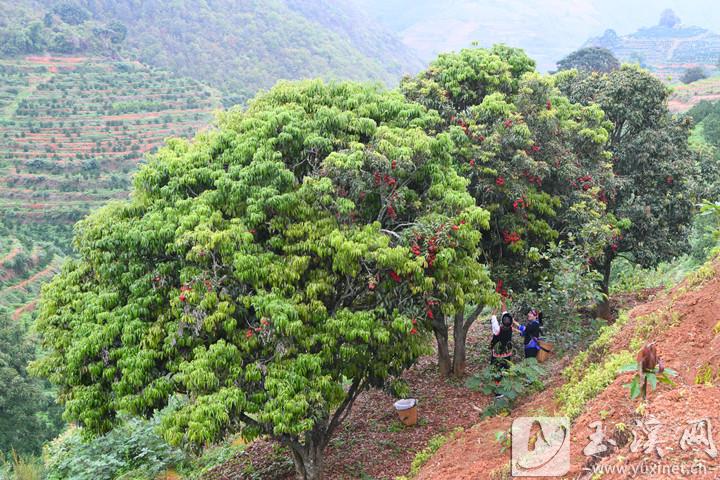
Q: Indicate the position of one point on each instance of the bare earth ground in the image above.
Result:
(372, 441)
(687, 347)
(372, 444)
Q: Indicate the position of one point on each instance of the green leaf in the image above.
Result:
(635, 389)
(628, 368)
(652, 380)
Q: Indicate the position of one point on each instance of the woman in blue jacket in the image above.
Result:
(531, 332)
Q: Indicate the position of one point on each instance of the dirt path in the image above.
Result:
(28, 307)
(12, 254)
(49, 270)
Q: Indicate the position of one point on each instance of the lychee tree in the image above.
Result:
(532, 158)
(267, 272)
(653, 195)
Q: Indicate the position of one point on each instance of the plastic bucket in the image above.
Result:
(546, 349)
(407, 411)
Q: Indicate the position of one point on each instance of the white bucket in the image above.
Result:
(405, 404)
(407, 411)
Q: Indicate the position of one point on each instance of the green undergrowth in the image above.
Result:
(424, 455)
(594, 369)
(596, 377)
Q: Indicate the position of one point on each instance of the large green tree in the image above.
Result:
(268, 272)
(532, 158)
(590, 59)
(28, 413)
(653, 195)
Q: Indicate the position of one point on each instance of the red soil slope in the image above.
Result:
(690, 347)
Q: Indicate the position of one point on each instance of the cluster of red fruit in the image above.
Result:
(585, 180)
(499, 289)
(432, 251)
(520, 203)
(500, 181)
(466, 129)
(508, 123)
(548, 105)
(535, 180)
(264, 323)
(387, 179)
(393, 274)
(430, 304)
(413, 330)
(183, 290)
(510, 237)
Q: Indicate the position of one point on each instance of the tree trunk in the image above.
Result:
(308, 461)
(444, 362)
(459, 362)
(603, 308)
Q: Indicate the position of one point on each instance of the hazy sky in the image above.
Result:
(547, 29)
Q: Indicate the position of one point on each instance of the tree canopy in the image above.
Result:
(693, 74)
(590, 59)
(652, 197)
(535, 160)
(268, 271)
(28, 413)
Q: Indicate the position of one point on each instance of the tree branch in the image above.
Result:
(344, 409)
(472, 317)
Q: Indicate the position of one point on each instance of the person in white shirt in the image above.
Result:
(501, 343)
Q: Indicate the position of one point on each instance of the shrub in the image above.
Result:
(573, 396)
(520, 378)
(133, 448)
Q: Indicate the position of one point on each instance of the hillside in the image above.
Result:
(684, 97)
(24, 267)
(73, 129)
(72, 132)
(684, 324)
(667, 49)
(237, 47)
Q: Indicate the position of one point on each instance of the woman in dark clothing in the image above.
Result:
(531, 332)
(501, 343)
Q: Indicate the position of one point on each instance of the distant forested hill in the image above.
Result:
(238, 46)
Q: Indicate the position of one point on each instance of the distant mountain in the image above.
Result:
(547, 29)
(667, 49)
(237, 46)
(246, 45)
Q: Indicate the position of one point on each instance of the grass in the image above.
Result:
(426, 453)
(21, 468)
(573, 397)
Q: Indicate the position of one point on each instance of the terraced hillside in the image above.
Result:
(72, 129)
(24, 267)
(666, 50)
(684, 97)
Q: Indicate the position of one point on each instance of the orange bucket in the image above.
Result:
(407, 411)
(546, 349)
